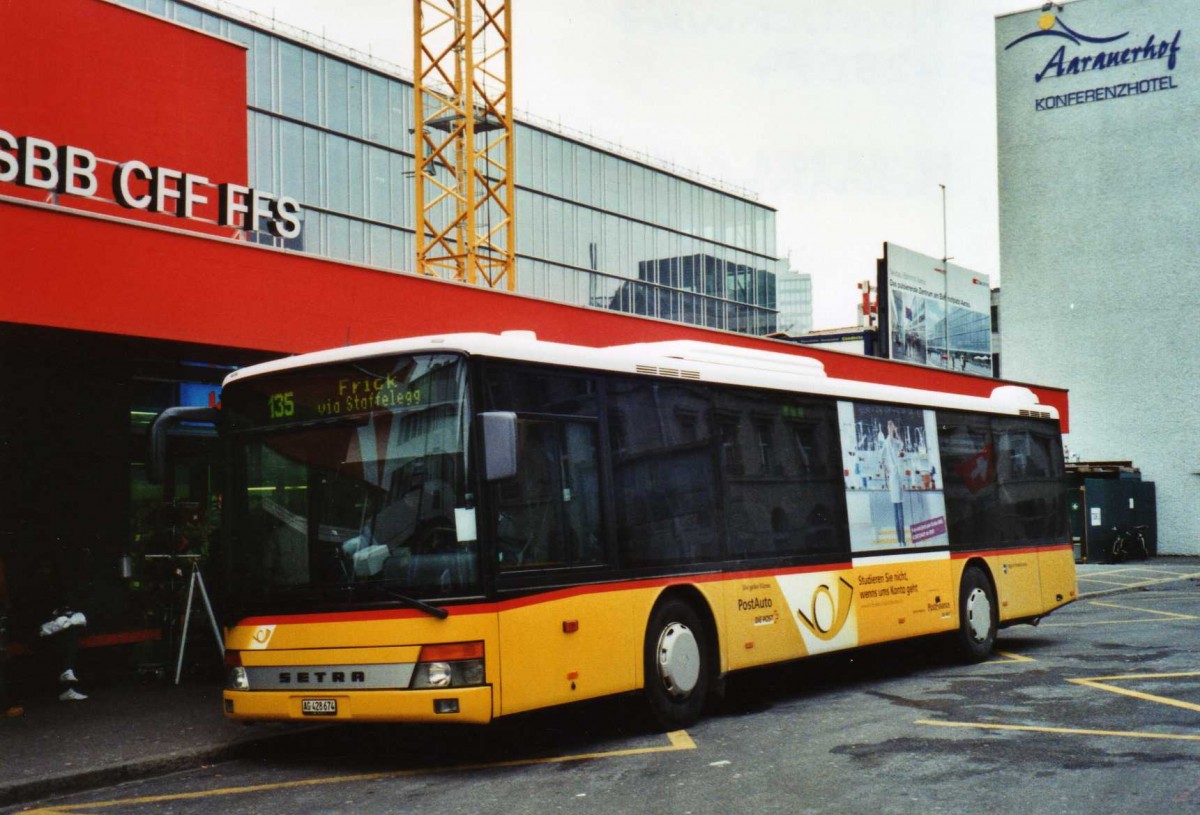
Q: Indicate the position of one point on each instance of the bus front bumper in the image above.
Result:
(471, 705)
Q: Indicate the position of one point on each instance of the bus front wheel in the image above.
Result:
(977, 615)
(678, 666)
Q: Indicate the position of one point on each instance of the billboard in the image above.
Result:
(893, 472)
(933, 315)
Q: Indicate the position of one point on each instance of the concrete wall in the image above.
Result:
(1100, 232)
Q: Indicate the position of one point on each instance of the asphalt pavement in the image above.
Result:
(123, 731)
(138, 728)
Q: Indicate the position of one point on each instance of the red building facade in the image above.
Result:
(127, 286)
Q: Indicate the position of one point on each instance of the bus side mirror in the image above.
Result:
(499, 444)
(156, 467)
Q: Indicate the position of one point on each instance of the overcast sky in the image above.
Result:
(844, 116)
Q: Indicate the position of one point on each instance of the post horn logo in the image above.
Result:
(261, 637)
(826, 618)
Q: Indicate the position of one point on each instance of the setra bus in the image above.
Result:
(461, 527)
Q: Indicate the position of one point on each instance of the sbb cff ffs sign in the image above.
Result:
(68, 170)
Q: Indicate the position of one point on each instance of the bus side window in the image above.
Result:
(663, 473)
(783, 491)
(528, 527)
(968, 453)
(550, 512)
(1030, 480)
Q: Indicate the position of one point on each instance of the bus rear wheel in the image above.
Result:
(977, 615)
(677, 664)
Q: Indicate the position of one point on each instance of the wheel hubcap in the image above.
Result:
(678, 659)
(979, 614)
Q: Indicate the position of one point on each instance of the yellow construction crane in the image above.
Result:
(464, 141)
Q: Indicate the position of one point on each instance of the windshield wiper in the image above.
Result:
(351, 592)
(411, 602)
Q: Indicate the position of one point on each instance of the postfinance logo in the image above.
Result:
(823, 608)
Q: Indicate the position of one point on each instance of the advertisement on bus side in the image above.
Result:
(895, 495)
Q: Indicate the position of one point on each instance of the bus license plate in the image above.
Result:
(318, 707)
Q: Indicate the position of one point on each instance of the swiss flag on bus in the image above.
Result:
(978, 471)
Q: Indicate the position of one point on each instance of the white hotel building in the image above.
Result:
(1099, 156)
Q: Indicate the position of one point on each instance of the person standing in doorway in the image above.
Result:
(890, 449)
(59, 574)
(63, 631)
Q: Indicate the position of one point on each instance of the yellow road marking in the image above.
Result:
(1008, 657)
(679, 740)
(1102, 683)
(1174, 614)
(1065, 731)
(1005, 658)
(1152, 582)
(1170, 615)
(1104, 582)
(1131, 568)
(1091, 623)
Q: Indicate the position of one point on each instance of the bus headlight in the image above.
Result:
(235, 678)
(453, 665)
(438, 674)
(238, 679)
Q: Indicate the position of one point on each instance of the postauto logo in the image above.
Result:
(1092, 53)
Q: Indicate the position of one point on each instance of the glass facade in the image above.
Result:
(970, 331)
(795, 303)
(593, 228)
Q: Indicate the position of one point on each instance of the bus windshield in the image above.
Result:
(352, 485)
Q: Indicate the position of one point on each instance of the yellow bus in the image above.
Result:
(456, 528)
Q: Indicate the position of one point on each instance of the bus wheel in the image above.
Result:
(976, 615)
(677, 665)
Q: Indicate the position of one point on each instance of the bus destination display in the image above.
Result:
(343, 397)
(329, 393)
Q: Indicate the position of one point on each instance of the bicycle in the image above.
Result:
(1130, 542)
